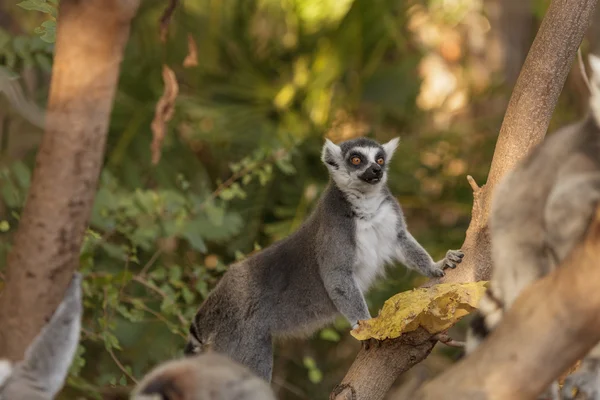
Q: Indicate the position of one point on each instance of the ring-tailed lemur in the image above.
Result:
(303, 282)
(540, 211)
(42, 373)
(202, 377)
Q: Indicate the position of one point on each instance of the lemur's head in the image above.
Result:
(204, 376)
(359, 164)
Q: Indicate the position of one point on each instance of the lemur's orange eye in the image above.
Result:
(355, 160)
(380, 161)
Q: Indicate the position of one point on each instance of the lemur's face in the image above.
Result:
(359, 164)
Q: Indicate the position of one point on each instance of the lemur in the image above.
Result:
(202, 377)
(540, 211)
(42, 372)
(304, 281)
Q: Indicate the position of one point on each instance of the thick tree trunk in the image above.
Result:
(91, 37)
(525, 123)
(533, 335)
(384, 361)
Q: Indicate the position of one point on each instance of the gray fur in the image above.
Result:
(207, 376)
(301, 283)
(540, 211)
(42, 373)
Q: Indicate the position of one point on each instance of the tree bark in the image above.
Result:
(531, 347)
(91, 37)
(385, 361)
(525, 123)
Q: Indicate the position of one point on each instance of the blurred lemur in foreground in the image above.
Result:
(42, 372)
(540, 211)
(209, 376)
(303, 282)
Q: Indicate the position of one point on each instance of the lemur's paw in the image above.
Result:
(436, 272)
(453, 258)
(583, 384)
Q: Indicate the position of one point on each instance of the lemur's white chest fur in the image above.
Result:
(376, 238)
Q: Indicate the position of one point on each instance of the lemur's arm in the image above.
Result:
(344, 293)
(414, 256)
(335, 267)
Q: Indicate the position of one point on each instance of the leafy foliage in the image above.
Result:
(47, 30)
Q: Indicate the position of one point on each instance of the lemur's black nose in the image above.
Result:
(376, 169)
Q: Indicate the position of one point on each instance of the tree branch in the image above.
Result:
(533, 332)
(91, 37)
(525, 123)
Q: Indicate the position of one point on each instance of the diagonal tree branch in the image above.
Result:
(534, 335)
(91, 37)
(525, 123)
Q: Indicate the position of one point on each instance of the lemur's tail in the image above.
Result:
(595, 87)
(490, 312)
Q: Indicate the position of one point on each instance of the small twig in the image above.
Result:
(121, 367)
(274, 157)
(165, 19)
(582, 69)
(448, 341)
(473, 184)
(150, 262)
(89, 334)
(154, 313)
(290, 388)
(107, 316)
(152, 287)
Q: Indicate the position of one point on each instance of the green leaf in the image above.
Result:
(4, 39)
(175, 274)
(330, 335)
(309, 362)
(202, 288)
(38, 5)
(285, 166)
(187, 295)
(47, 31)
(315, 375)
(194, 238)
(159, 274)
(4, 226)
(43, 61)
(22, 173)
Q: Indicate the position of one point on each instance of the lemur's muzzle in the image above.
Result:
(373, 174)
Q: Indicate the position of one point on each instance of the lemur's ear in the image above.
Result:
(331, 155)
(390, 147)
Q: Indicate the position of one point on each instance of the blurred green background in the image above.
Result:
(240, 163)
